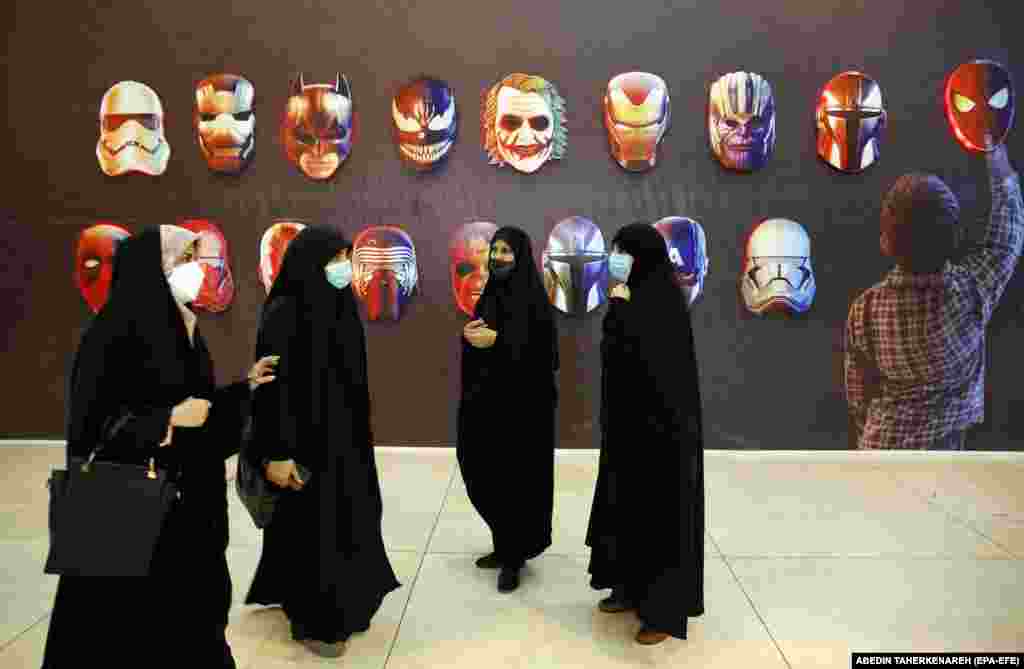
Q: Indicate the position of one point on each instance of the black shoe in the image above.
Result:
(490, 561)
(508, 579)
(616, 603)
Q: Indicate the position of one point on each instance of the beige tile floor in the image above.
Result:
(809, 557)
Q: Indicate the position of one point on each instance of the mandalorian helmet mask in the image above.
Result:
(777, 273)
(94, 262)
(218, 289)
(317, 127)
(273, 245)
(851, 119)
(425, 122)
(469, 252)
(132, 131)
(636, 115)
(979, 103)
(741, 121)
(225, 122)
(384, 273)
(575, 266)
(688, 251)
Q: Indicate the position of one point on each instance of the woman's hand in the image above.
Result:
(263, 371)
(284, 474)
(190, 413)
(621, 290)
(170, 432)
(479, 335)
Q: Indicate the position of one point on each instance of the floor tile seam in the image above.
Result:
(8, 644)
(969, 524)
(419, 567)
(753, 607)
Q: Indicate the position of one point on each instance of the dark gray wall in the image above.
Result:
(766, 383)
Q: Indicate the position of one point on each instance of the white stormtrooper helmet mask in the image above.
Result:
(777, 275)
(132, 131)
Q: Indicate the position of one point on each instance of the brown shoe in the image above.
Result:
(324, 649)
(649, 637)
(615, 604)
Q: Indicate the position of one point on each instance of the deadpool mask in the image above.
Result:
(218, 287)
(273, 245)
(94, 262)
(317, 128)
(979, 104)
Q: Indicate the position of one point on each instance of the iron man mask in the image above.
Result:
(636, 115)
(225, 123)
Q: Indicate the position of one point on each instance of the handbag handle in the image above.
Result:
(87, 465)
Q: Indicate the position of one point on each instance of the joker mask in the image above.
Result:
(469, 251)
(979, 103)
(523, 123)
(851, 120)
(384, 273)
(576, 266)
(317, 128)
(688, 251)
(273, 245)
(225, 122)
(132, 131)
(636, 115)
(777, 274)
(94, 262)
(741, 121)
(218, 287)
(425, 122)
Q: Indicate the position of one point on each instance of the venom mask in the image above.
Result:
(317, 127)
(425, 122)
(523, 122)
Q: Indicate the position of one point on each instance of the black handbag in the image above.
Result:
(106, 517)
(257, 493)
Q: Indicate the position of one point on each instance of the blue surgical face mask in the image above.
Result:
(339, 274)
(619, 265)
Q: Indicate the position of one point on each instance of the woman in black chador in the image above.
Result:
(646, 530)
(142, 382)
(507, 411)
(323, 554)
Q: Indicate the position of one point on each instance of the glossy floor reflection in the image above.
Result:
(809, 556)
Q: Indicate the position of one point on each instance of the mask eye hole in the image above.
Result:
(206, 118)
(962, 103)
(242, 116)
(1000, 99)
(464, 269)
(92, 263)
(444, 120)
(540, 123)
(304, 136)
(509, 122)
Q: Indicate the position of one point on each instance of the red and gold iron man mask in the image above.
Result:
(979, 104)
(851, 120)
(636, 115)
(317, 127)
(273, 245)
(225, 122)
(94, 262)
(469, 252)
(218, 288)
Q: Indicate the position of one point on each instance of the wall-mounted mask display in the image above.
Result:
(94, 261)
(132, 131)
(384, 272)
(777, 274)
(218, 289)
(425, 122)
(979, 101)
(575, 264)
(468, 255)
(741, 121)
(316, 131)
(523, 122)
(273, 245)
(851, 119)
(225, 122)
(636, 115)
(688, 251)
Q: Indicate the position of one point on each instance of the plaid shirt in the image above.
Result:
(924, 347)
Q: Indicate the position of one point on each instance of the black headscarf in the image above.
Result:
(517, 306)
(328, 335)
(653, 289)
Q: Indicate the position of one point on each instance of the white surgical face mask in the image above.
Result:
(186, 280)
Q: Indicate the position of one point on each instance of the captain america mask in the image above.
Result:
(687, 249)
(979, 101)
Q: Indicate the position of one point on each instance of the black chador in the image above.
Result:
(506, 415)
(323, 555)
(646, 530)
(136, 362)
